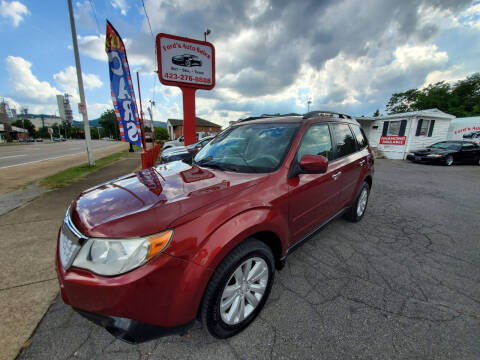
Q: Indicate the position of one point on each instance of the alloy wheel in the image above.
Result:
(449, 160)
(362, 202)
(244, 290)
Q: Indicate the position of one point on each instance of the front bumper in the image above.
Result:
(157, 299)
(425, 159)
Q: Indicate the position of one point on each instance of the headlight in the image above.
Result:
(117, 256)
(435, 155)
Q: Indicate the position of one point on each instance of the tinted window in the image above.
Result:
(446, 145)
(468, 146)
(360, 136)
(316, 141)
(344, 143)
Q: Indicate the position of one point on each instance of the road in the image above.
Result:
(30, 153)
(404, 283)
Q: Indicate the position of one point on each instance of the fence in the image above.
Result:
(149, 156)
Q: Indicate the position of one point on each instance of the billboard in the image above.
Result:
(121, 86)
(185, 62)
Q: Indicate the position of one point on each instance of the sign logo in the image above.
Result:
(185, 62)
(123, 95)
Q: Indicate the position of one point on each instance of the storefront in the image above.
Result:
(394, 136)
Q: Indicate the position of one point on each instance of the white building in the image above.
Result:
(394, 136)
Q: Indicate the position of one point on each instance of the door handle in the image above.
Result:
(361, 163)
(336, 175)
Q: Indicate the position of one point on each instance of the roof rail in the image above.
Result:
(333, 114)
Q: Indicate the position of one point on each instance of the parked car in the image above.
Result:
(173, 143)
(30, 139)
(187, 60)
(448, 153)
(184, 153)
(39, 140)
(148, 253)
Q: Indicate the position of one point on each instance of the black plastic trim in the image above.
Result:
(132, 331)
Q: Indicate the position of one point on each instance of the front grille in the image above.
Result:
(69, 244)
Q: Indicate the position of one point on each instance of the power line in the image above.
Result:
(148, 19)
(95, 14)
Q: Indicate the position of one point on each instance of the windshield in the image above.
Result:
(446, 146)
(248, 148)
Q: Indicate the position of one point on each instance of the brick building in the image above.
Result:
(175, 127)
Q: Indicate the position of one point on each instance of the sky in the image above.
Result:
(272, 56)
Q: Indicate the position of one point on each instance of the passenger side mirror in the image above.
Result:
(313, 164)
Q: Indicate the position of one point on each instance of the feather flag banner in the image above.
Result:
(123, 95)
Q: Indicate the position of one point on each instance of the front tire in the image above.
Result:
(238, 289)
(356, 212)
(449, 160)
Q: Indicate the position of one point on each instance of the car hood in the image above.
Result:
(433, 151)
(150, 200)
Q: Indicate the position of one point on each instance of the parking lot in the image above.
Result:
(403, 283)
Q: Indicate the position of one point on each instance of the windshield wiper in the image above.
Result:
(215, 165)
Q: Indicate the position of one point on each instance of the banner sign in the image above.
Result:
(393, 140)
(123, 95)
(185, 62)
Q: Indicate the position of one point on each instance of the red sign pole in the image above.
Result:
(189, 123)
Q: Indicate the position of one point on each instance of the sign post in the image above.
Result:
(190, 65)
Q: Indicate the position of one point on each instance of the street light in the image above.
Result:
(308, 104)
(208, 32)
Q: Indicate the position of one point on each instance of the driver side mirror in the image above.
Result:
(313, 164)
(309, 164)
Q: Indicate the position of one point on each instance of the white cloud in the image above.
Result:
(25, 85)
(14, 10)
(450, 75)
(121, 5)
(67, 80)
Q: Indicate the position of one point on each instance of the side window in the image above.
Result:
(468, 146)
(316, 141)
(343, 141)
(360, 136)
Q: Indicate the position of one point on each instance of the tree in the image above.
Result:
(25, 124)
(376, 113)
(161, 133)
(43, 133)
(461, 99)
(108, 122)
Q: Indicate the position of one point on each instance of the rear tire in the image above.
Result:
(228, 305)
(356, 212)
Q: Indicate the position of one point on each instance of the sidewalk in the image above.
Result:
(28, 282)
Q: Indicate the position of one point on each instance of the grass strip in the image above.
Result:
(75, 173)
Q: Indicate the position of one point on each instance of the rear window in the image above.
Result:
(360, 136)
(344, 143)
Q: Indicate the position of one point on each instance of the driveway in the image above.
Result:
(403, 283)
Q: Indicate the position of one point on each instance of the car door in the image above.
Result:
(468, 152)
(349, 161)
(313, 197)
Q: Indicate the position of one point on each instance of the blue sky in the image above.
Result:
(272, 55)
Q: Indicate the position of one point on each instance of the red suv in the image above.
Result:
(148, 253)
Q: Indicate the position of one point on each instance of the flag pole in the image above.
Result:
(141, 114)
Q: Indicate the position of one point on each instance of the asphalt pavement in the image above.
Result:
(404, 283)
(30, 153)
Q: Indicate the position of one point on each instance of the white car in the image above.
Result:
(173, 143)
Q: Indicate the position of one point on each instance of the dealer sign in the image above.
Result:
(185, 62)
(393, 140)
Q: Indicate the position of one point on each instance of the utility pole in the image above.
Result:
(86, 124)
